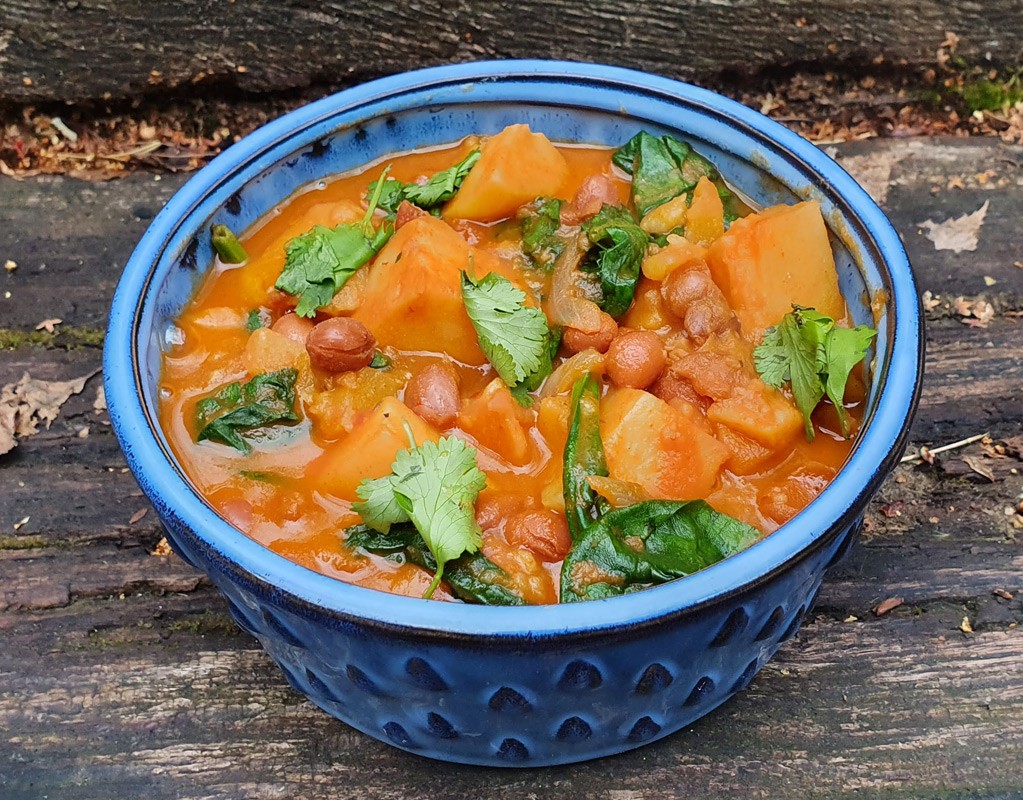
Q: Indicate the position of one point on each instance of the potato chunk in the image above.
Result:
(766, 263)
(497, 421)
(412, 299)
(369, 451)
(516, 166)
(648, 442)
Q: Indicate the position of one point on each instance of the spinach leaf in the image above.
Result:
(619, 245)
(584, 456)
(647, 544)
(662, 168)
(472, 577)
(237, 408)
(540, 240)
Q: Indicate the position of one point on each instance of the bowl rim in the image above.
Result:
(246, 561)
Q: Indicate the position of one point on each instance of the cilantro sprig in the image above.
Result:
(434, 486)
(514, 337)
(318, 263)
(440, 188)
(814, 356)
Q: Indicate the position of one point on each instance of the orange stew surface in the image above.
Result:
(683, 413)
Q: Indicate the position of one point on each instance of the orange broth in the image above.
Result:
(277, 494)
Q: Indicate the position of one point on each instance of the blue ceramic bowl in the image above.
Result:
(513, 686)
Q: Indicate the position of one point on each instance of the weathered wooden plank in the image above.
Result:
(179, 706)
(89, 50)
(69, 270)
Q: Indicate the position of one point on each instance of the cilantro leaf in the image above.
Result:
(379, 508)
(254, 320)
(620, 244)
(814, 356)
(436, 485)
(844, 349)
(540, 240)
(440, 188)
(520, 391)
(317, 264)
(238, 408)
(514, 337)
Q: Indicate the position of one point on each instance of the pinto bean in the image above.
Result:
(576, 341)
(433, 395)
(635, 359)
(340, 344)
(541, 530)
(692, 296)
(594, 192)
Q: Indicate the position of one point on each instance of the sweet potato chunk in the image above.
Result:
(766, 263)
(516, 166)
(368, 452)
(412, 299)
(497, 421)
(759, 412)
(650, 443)
(705, 219)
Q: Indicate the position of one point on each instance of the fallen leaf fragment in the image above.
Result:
(83, 432)
(965, 625)
(21, 523)
(887, 606)
(957, 234)
(989, 281)
(851, 618)
(49, 325)
(979, 467)
(930, 301)
(99, 405)
(1003, 594)
(25, 404)
(138, 515)
(162, 548)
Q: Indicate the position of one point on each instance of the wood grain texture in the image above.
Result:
(91, 49)
(122, 674)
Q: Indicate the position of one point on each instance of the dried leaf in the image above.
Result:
(99, 405)
(21, 523)
(1003, 594)
(162, 548)
(25, 404)
(1014, 445)
(49, 325)
(979, 467)
(138, 515)
(887, 606)
(930, 301)
(957, 234)
(965, 625)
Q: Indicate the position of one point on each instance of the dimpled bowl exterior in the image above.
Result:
(513, 686)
